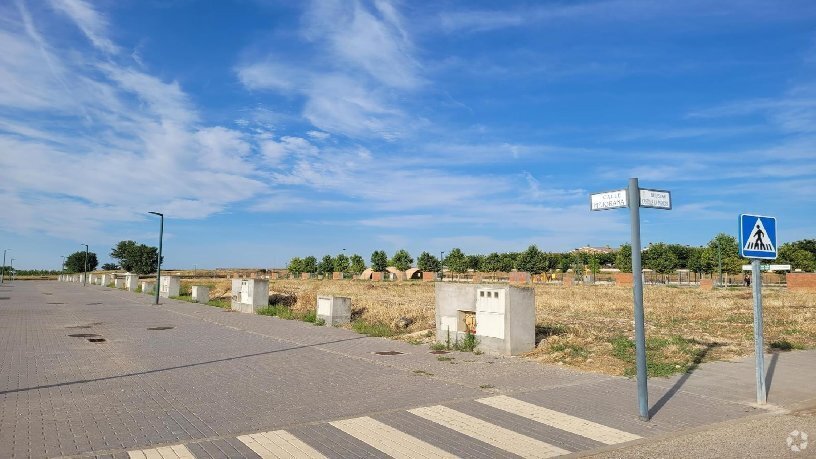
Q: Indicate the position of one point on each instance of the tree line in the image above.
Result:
(721, 251)
(130, 256)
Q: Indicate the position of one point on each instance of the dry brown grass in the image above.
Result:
(588, 326)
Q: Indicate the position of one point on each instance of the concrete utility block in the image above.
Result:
(148, 286)
(170, 286)
(567, 280)
(706, 284)
(337, 276)
(131, 282)
(249, 295)
(428, 276)
(334, 309)
(520, 277)
(201, 294)
(501, 316)
(305, 276)
(376, 276)
(274, 275)
(801, 281)
(119, 282)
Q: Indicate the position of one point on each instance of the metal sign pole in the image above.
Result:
(758, 338)
(637, 277)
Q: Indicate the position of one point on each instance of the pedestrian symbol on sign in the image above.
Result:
(759, 240)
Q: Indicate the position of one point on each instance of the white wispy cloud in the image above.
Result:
(92, 141)
(92, 24)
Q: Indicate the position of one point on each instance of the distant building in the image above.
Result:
(593, 250)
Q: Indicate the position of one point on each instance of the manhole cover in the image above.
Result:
(96, 340)
(93, 304)
(54, 303)
(389, 353)
(47, 293)
(83, 335)
(79, 326)
(440, 352)
(161, 328)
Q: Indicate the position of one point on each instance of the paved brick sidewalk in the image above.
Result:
(217, 379)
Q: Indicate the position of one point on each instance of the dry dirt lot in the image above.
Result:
(588, 327)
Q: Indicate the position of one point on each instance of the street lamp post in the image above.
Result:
(85, 269)
(441, 266)
(158, 265)
(12, 269)
(3, 271)
(719, 262)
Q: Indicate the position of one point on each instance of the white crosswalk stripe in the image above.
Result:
(279, 444)
(492, 434)
(164, 452)
(389, 440)
(566, 422)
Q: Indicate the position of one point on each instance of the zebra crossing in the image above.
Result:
(391, 441)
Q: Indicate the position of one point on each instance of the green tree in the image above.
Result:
(695, 260)
(798, 258)
(341, 263)
(310, 264)
(660, 258)
(402, 260)
(357, 264)
(474, 262)
(428, 263)
(508, 261)
(379, 261)
(110, 267)
(136, 258)
(75, 263)
(295, 266)
(532, 260)
(725, 246)
(623, 259)
(594, 266)
(492, 263)
(326, 265)
(456, 261)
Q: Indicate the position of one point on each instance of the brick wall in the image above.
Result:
(706, 284)
(428, 276)
(624, 279)
(519, 277)
(801, 281)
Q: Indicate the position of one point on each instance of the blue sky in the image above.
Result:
(271, 129)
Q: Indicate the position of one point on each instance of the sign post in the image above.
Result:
(758, 241)
(634, 197)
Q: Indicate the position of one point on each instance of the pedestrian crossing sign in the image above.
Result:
(757, 237)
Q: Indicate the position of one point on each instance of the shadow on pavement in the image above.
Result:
(698, 358)
(159, 370)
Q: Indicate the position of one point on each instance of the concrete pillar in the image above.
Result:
(201, 294)
(147, 287)
(249, 295)
(170, 286)
(334, 310)
(107, 279)
(119, 282)
(131, 282)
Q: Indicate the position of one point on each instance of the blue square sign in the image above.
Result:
(757, 237)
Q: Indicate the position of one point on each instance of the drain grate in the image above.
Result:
(161, 328)
(54, 303)
(440, 352)
(97, 340)
(83, 335)
(79, 326)
(45, 293)
(93, 304)
(389, 353)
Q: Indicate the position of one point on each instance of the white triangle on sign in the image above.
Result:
(759, 241)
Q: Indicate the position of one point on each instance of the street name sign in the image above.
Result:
(656, 199)
(608, 200)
